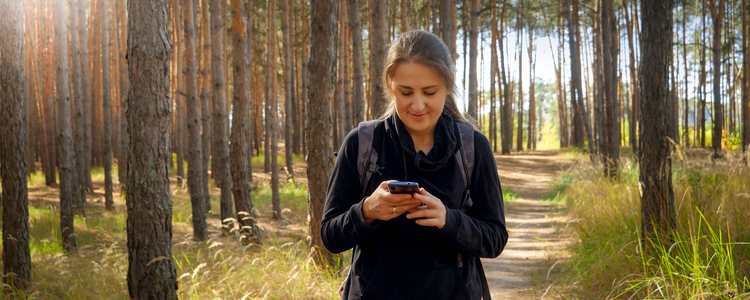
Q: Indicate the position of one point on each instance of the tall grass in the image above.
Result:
(709, 256)
(219, 268)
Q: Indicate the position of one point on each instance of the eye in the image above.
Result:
(430, 93)
(406, 93)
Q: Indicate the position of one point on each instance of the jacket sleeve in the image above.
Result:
(343, 225)
(482, 232)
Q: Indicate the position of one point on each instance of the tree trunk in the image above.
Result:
(633, 117)
(580, 118)
(271, 108)
(378, 52)
(507, 110)
(320, 162)
(702, 84)
(65, 162)
(611, 121)
(86, 95)
(289, 87)
(205, 98)
(745, 77)
(220, 118)
(151, 271)
(241, 115)
(106, 109)
(404, 15)
(121, 44)
(531, 140)
(179, 100)
(494, 74)
(358, 92)
(16, 253)
(48, 55)
(685, 134)
(657, 196)
(717, 14)
(194, 155)
(519, 129)
(79, 186)
(473, 52)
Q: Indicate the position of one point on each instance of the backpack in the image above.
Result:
(367, 159)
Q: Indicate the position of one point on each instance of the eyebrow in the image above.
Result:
(424, 88)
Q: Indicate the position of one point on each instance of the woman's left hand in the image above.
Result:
(432, 213)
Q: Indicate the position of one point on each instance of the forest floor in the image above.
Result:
(536, 226)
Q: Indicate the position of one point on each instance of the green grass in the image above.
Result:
(709, 256)
(219, 268)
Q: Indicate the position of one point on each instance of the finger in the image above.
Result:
(429, 200)
(429, 222)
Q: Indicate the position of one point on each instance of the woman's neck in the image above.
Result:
(423, 141)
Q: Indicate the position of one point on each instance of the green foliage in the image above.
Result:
(708, 258)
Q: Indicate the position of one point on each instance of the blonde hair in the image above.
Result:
(424, 48)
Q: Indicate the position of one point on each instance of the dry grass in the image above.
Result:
(710, 258)
(219, 268)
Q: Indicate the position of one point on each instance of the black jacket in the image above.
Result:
(398, 259)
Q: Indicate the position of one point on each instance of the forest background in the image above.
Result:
(535, 75)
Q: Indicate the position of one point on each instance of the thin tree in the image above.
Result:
(195, 156)
(120, 43)
(519, 111)
(717, 15)
(494, 74)
(507, 107)
(610, 49)
(79, 186)
(106, 108)
(65, 162)
(633, 113)
(473, 52)
(745, 77)
(378, 51)
(272, 108)
(319, 148)
(657, 196)
(358, 91)
(151, 270)
(85, 95)
(580, 117)
(220, 117)
(205, 92)
(240, 117)
(289, 88)
(531, 141)
(14, 200)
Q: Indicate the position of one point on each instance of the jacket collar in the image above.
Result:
(446, 142)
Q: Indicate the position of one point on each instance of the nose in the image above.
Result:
(419, 103)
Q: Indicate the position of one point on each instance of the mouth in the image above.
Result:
(419, 116)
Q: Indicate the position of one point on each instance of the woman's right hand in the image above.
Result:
(382, 205)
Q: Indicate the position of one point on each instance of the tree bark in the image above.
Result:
(271, 108)
(473, 52)
(507, 110)
(241, 116)
(205, 97)
(86, 95)
(494, 74)
(65, 157)
(122, 161)
(220, 118)
(633, 117)
(378, 52)
(519, 111)
(289, 88)
(195, 150)
(657, 196)
(717, 15)
(48, 55)
(14, 200)
(580, 118)
(358, 92)
(611, 120)
(745, 77)
(531, 141)
(79, 186)
(106, 109)
(151, 271)
(404, 15)
(320, 162)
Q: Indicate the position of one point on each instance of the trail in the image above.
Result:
(534, 226)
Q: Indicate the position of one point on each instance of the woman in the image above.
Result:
(426, 245)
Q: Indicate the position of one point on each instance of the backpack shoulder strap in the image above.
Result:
(367, 157)
(466, 154)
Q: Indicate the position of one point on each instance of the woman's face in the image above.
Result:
(420, 96)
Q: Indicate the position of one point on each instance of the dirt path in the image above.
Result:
(533, 225)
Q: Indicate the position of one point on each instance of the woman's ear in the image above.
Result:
(453, 76)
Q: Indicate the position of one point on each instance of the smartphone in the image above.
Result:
(403, 187)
